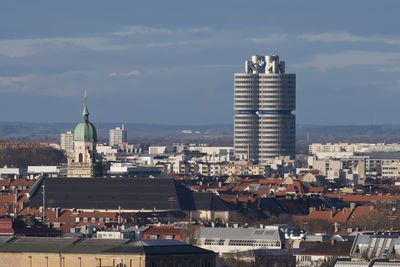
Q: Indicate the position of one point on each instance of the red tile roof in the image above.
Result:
(363, 198)
(5, 182)
(22, 182)
(163, 230)
(360, 212)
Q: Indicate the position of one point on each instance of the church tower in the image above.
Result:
(83, 161)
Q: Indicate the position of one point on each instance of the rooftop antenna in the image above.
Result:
(44, 204)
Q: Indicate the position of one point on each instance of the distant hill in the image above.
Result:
(24, 157)
(221, 134)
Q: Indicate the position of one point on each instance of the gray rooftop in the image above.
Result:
(271, 233)
(98, 246)
(351, 264)
(383, 155)
(376, 246)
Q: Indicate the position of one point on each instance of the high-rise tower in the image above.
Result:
(264, 98)
(117, 136)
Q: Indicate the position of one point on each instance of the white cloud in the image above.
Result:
(140, 30)
(352, 58)
(7, 47)
(174, 43)
(143, 30)
(133, 73)
(6, 81)
(130, 73)
(273, 38)
(346, 37)
(22, 52)
(112, 74)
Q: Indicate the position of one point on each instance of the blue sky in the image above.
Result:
(172, 62)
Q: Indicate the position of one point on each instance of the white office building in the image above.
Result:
(67, 141)
(117, 136)
(264, 98)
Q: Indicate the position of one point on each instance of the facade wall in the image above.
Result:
(99, 260)
(391, 171)
(117, 136)
(82, 162)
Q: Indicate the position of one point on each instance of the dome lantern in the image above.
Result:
(85, 130)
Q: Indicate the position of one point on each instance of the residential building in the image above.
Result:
(314, 148)
(7, 172)
(162, 232)
(117, 136)
(157, 150)
(108, 153)
(67, 141)
(391, 170)
(264, 98)
(331, 168)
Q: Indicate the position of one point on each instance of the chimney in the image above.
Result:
(331, 214)
(311, 209)
(58, 212)
(333, 242)
(371, 208)
(352, 206)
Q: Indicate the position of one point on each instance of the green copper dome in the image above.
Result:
(85, 131)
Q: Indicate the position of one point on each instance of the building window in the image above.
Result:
(80, 158)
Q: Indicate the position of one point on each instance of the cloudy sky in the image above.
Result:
(172, 62)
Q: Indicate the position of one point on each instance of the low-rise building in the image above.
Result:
(50, 171)
(316, 253)
(71, 252)
(228, 240)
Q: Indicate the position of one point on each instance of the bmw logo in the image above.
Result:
(261, 63)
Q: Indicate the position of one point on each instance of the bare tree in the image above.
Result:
(188, 234)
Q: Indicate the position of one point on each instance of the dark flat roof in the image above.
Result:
(126, 193)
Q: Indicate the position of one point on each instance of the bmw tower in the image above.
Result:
(264, 98)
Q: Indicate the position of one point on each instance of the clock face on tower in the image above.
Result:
(261, 63)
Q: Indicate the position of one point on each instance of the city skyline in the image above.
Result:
(181, 61)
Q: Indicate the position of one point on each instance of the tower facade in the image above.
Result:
(264, 99)
(117, 136)
(82, 162)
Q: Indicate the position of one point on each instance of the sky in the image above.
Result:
(172, 62)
